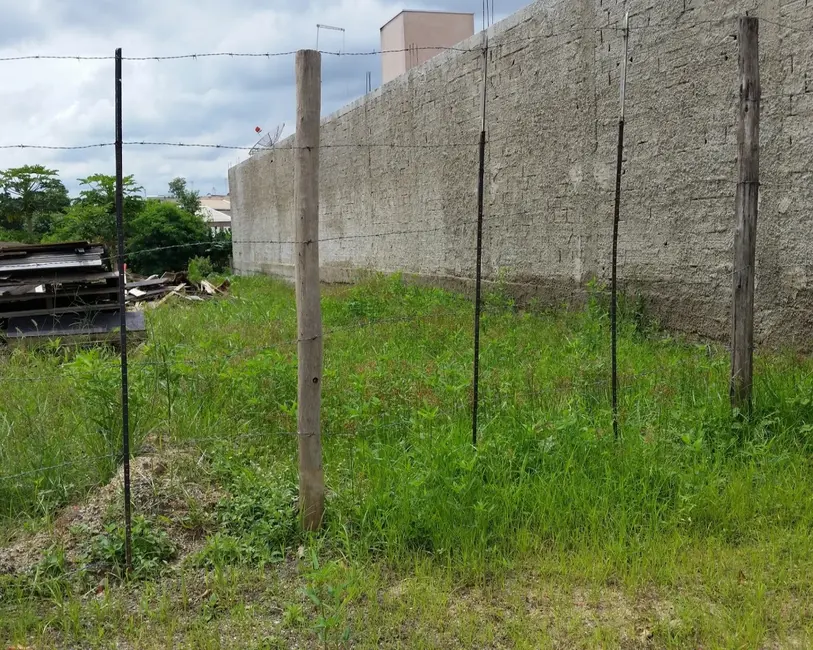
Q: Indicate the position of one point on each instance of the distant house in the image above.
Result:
(216, 211)
(219, 202)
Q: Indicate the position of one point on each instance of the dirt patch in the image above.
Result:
(172, 485)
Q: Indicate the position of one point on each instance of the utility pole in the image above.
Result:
(742, 329)
(308, 307)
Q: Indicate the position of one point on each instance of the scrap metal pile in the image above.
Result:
(60, 290)
(71, 289)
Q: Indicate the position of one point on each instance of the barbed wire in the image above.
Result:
(97, 145)
(214, 244)
(635, 108)
(795, 28)
(213, 55)
(176, 363)
(666, 26)
(204, 145)
(285, 53)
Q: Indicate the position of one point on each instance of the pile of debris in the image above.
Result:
(156, 290)
(70, 290)
(60, 290)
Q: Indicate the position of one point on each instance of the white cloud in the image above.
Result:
(208, 100)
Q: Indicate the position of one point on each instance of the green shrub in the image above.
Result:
(165, 237)
(200, 268)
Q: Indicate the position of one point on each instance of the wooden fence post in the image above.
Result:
(308, 307)
(742, 330)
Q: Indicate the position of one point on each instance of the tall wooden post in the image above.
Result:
(742, 330)
(308, 308)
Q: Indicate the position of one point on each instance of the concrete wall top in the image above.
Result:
(398, 170)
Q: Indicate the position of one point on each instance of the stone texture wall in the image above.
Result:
(398, 186)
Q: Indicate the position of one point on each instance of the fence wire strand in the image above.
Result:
(560, 386)
(669, 27)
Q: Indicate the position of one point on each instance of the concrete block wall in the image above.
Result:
(398, 177)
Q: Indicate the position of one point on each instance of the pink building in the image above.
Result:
(410, 31)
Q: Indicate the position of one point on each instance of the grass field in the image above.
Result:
(693, 530)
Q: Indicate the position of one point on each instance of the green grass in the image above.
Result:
(693, 529)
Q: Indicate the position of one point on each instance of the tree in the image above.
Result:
(165, 237)
(86, 222)
(188, 200)
(29, 197)
(100, 190)
(92, 216)
(160, 236)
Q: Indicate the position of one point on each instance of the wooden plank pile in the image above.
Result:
(156, 290)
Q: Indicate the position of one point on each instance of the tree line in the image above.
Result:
(35, 208)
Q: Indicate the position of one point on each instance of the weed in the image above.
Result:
(50, 577)
(200, 268)
(197, 520)
(498, 297)
(152, 548)
(98, 385)
(293, 616)
(689, 488)
(329, 597)
(271, 643)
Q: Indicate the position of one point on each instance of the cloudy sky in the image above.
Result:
(214, 100)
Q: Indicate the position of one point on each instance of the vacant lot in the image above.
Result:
(693, 530)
